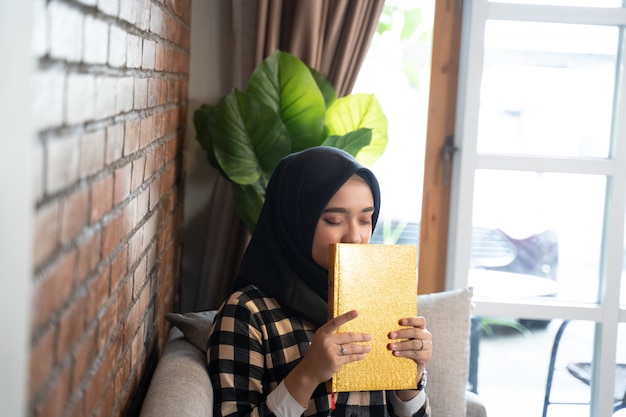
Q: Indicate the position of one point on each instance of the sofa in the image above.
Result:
(180, 385)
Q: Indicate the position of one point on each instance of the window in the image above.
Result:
(542, 161)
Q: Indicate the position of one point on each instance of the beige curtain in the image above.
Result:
(331, 36)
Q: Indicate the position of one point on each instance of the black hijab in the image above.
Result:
(279, 256)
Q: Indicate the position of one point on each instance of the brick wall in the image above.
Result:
(110, 104)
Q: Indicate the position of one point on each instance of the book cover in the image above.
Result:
(380, 282)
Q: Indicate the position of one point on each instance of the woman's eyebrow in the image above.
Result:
(345, 210)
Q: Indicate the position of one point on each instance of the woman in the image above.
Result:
(271, 348)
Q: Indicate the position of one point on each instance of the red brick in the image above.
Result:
(154, 85)
(135, 247)
(41, 361)
(122, 373)
(84, 357)
(163, 92)
(80, 103)
(156, 20)
(154, 193)
(110, 7)
(150, 167)
(106, 326)
(96, 40)
(78, 406)
(98, 294)
(159, 157)
(149, 231)
(112, 234)
(124, 299)
(149, 54)
(131, 323)
(56, 402)
(132, 137)
(88, 254)
(139, 278)
(143, 15)
(129, 11)
(117, 46)
(74, 214)
(95, 388)
(53, 289)
(106, 89)
(63, 158)
(143, 200)
(141, 94)
(125, 90)
(71, 327)
(119, 268)
(121, 188)
(129, 216)
(48, 103)
(101, 198)
(92, 153)
(161, 56)
(106, 405)
(147, 132)
(133, 49)
(114, 143)
(65, 34)
(47, 231)
(137, 174)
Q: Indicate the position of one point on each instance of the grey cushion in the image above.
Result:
(448, 319)
(180, 385)
(195, 326)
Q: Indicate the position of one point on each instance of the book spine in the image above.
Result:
(333, 262)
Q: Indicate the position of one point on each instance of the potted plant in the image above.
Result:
(286, 107)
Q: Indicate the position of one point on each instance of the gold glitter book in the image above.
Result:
(380, 282)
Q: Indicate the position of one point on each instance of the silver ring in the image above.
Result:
(343, 350)
(421, 347)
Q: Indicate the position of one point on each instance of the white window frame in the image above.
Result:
(606, 313)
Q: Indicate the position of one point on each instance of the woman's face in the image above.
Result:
(347, 218)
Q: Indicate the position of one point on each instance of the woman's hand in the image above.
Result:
(417, 345)
(328, 352)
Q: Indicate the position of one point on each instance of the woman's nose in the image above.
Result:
(353, 234)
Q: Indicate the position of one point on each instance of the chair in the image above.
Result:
(582, 372)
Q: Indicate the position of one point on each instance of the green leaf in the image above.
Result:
(412, 20)
(204, 122)
(358, 111)
(249, 138)
(248, 202)
(351, 142)
(327, 89)
(286, 84)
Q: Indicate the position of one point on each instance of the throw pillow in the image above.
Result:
(195, 326)
(448, 319)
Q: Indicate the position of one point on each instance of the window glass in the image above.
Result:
(502, 381)
(537, 234)
(397, 70)
(547, 89)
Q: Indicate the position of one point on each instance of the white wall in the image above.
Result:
(16, 202)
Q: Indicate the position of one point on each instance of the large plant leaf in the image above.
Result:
(286, 84)
(352, 142)
(327, 89)
(248, 202)
(249, 138)
(357, 111)
(204, 122)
